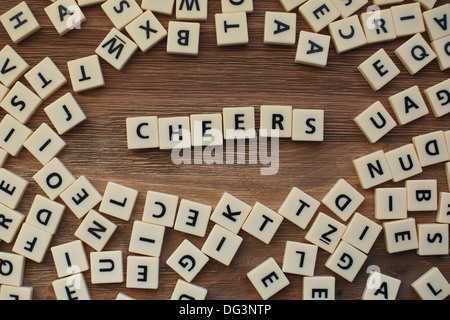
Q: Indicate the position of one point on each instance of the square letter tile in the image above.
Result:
(81, 197)
(313, 49)
(222, 245)
(372, 169)
(378, 69)
(160, 208)
(54, 178)
(19, 22)
(86, 73)
(299, 207)
(400, 235)
(262, 223)
(187, 260)
(192, 217)
(343, 199)
(299, 258)
(118, 201)
(268, 278)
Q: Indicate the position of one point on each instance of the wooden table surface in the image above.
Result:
(158, 84)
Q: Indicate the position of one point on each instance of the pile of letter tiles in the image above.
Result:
(348, 237)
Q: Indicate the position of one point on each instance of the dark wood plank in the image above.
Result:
(165, 85)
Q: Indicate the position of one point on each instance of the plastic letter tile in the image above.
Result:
(437, 22)
(183, 38)
(372, 169)
(121, 12)
(325, 232)
(19, 22)
(65, 113)
(81, 197)
(95, 230)
(142, 132)
(192, 217)
(347, 34)
(188, 291)
(319, 13)
(237, 6)
(262, 223)
(187, 260)
(13, 134)
(159, 6)
(431, 148)
(276, 121)
(86, 73)
(44, 144)
(378, 26)
(432, 285)
(142, 272)
(160, 208)
(45, 78)
(231, 212)
(308, 125)
(13, 269)
(290, 5)
(343, 199)
(400, 235)
(116, 49)
(268, 278)
(231, 29)
(347, 8)
(73, 287)
(346, 261)
(438, 97)
(239, 123)
(441, 48)
(118, 201)
(15, 293)
(390, 203)
(190, 10)
(299, 207)
(381, 287)
(443, 214)
(13, 66)
(70, 258)
(280, 28)
(12, 188)
(65, 15)
(415, 54)
(313, 49)
(408, 19)
(146, 239)
(422, 195)
(174, 133)
(362, 232)
(221, 245)
(146, 31)
(403, 162)
(54, 178)
(45, 214)
(375, 122)
(21, 102)
(32, 243)
(433, 239)
(206, 129)
(11, 220)
(299, 258)
(319, 288)
(379, 69)
(106, 267)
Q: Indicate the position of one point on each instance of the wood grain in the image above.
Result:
(163, 85)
